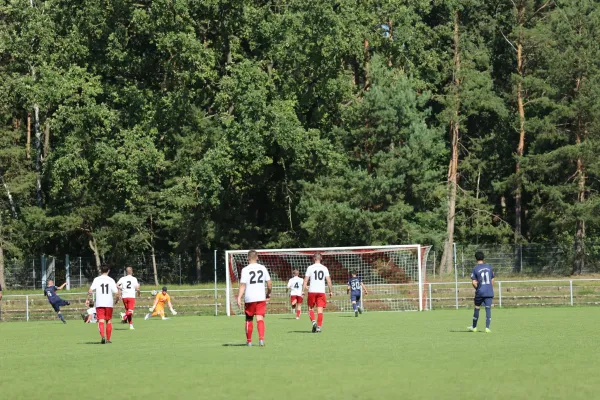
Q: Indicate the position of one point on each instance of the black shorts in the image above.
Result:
(58, 304)
(487, 301)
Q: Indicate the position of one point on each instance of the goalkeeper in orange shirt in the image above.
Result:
(158, 308)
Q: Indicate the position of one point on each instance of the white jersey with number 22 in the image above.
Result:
(296, 285)
(105, 287)
(255, 277)
(317, 274)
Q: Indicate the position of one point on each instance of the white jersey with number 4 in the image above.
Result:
(255, 276)
(296, 285)
(128, 286)
(105, 287)
(317, 274)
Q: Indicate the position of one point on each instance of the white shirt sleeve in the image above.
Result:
(289, 286)
(326, 271)
(113, 287)
(267, 276)
(120, 281)
(244, 278)
(308, 271)
(94, 285)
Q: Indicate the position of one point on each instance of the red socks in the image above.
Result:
(249, 328)
(320, 319)
(101, 328)
(311, 314)
(298, 313)
(261, 329)
(109, 330)
(129, 316)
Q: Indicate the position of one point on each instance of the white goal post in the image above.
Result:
(395, 276)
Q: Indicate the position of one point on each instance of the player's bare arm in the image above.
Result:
(348, 289)
(137, 291)
(241, 294)
(364, 288)
(474, 283)
(305, 285)
(269, 288)
(61, 286)
(328, 279)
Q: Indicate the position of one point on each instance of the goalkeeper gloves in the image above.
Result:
(173, 312)
(151, 309)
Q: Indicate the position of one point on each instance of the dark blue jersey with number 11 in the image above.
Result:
(483, 274)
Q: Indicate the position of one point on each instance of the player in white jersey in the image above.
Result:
(129, 287)
(105, 287)
(252, 288)
(295, 286)
(318, 274)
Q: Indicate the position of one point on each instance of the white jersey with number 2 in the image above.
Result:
(105, 287)
(296, 285)
(317, 274)
(255, 277)
(128, 286)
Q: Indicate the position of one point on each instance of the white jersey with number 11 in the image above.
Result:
(105, 287)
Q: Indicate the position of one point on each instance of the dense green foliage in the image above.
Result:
(174, 126)
(425, 355)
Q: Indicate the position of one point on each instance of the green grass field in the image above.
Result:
(548, 353)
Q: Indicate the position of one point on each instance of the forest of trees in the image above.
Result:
(174, 126)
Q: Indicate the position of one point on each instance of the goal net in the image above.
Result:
(393, 275)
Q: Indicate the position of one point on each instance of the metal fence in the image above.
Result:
(519, 260)
(80, 271)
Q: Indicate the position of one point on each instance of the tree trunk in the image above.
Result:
(367, 62)
(2, 280)
(447, 257)
(38, 158)
(580, 224)
(94, 246)
(46, 139)
(521, 110)
(28, 144)
(198, 263)
(154, 266)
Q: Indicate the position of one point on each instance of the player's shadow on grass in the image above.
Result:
(90, 343)
(234, 345)
(459, 331)
(299, 331)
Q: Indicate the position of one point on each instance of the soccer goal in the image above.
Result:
(394, 276)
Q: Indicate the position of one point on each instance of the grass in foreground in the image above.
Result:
(531, 354)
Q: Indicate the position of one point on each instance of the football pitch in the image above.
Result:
(533, 353)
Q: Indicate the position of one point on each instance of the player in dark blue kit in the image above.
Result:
(482, 279)
(354, 288)
(55, 301)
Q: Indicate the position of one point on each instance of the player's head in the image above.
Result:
(104, 268)
(296, 272)
(252, 256)
(317, 257)
(49, 282)
(479, 256)
(353, 274)
(164, 289)
(129, 270)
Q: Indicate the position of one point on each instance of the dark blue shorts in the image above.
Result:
(355, 297)
(58, 304)
(486, 301)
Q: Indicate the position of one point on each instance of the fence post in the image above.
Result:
(434, 264)
(27, 307)
(571, 290)
(80, 271)
(180, 270)
(33, 270)
(430, 299)
(43, 261)
(216, 304)
(500, 293)
(67, 272)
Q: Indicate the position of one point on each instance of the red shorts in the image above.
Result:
(297, 298)
(129, 303)
(104, 313)
(256, 308)
(318, 299)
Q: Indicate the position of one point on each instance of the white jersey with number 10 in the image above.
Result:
(296, 285)
(105, 287)
(255, 277)
(317, 274)
(128, 285)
